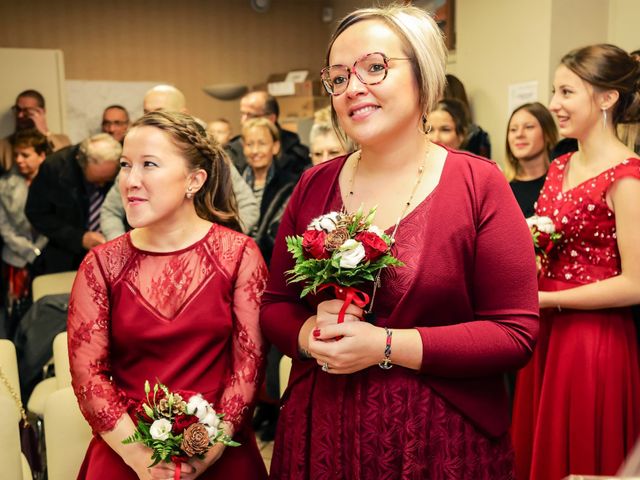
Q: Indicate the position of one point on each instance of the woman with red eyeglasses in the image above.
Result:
(446, 325)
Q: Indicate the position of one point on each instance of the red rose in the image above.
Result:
(374, 246)
(313, 244)
(181, 422)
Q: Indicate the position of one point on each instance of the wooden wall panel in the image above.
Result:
(189, 43)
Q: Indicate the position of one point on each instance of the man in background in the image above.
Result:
(65, 199)
(220, 130)
(293, 155)
(115, 122)
(29, 112)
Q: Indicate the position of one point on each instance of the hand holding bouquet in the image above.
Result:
(177, 426)
(340, 250)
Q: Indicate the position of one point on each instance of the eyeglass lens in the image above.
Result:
(370, 69)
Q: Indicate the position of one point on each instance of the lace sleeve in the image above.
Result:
(101, 402)
(248, 345)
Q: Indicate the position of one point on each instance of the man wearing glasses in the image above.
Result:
(293, 156)
(29, 112)
(115, 122)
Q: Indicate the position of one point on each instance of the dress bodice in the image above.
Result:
(587, 251)
(188, 318)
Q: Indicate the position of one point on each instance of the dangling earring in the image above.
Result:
(604, 118)
(424, 123)
(189, 194)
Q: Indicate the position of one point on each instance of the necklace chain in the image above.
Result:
(406, 205)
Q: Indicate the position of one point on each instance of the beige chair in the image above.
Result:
(52, 284)
(14, 465)
(61, 379)
(67, 435)
(284, 372)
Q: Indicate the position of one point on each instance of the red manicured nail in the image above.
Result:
(316, 332)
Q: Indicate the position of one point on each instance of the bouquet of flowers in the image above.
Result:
(177, 425)
(340, 250)
(544, 234)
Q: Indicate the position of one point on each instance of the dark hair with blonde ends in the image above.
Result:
(215, 201)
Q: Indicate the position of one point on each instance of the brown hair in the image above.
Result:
(215, 201)
(607, 67)
(459, 114)
(31, 137)
(549, 133)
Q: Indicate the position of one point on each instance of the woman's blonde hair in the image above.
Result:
(423, 43)
(261, 122)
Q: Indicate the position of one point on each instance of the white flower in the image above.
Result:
(160, 429)
(210, 419)
(211, 431)
(350, 253)
(544, 224)
(325, 222)
(374, 229)
(198, 406)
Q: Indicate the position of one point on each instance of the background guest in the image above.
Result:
(65, 198)
(29, 112)
(477, 140)
(22, 243)
(531, 135)
(221, 131)
(115, 121)
(324, 143)
(449, 124)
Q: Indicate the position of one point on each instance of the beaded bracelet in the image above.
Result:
(386, 364)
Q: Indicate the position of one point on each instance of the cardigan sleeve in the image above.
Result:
(503, 292)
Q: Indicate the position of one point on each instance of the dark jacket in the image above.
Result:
(57, 207)
(293, 156)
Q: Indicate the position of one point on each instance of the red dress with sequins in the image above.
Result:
(188, 318)
(576, 406)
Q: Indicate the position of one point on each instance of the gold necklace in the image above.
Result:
(407, 204)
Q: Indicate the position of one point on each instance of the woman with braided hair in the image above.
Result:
(175, 299)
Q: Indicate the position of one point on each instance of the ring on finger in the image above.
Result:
(325, 367)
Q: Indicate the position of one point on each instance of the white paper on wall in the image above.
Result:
(520, 93)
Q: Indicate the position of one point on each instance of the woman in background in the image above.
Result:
(21, 243)
(324, 143)
(449, 124)
(531, 135)
(174, 299)
(576, 405)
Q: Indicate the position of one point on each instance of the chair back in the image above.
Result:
(9, 364)
(52, 284)
(10, 455)
(67, 435)
(61, 360)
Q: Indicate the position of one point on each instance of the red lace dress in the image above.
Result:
(576, 406)
(188, 318)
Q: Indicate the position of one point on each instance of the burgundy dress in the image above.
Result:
(188, 318)
(463, 249)
(576, 406)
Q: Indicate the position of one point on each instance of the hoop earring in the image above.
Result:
(604, 118)
(424, 122)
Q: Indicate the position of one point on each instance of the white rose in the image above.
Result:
(546, 225)
(350, 253)
(198, 406)
(325, 222)
(160, 429)
(532, 221)
(210, 419)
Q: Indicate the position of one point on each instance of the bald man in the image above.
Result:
(293, 156)
(169, 98)
(164, 97)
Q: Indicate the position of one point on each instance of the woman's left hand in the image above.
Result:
(361, 346)
(199, 466)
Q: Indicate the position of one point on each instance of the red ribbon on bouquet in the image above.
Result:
(349, 295)
(178, 462)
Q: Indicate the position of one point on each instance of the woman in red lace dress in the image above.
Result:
(454, 322)
(175, 299)
(576, 407)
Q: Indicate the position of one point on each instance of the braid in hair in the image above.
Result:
(215, 201)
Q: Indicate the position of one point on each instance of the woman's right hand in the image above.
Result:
(140, 459)
(328, 313)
